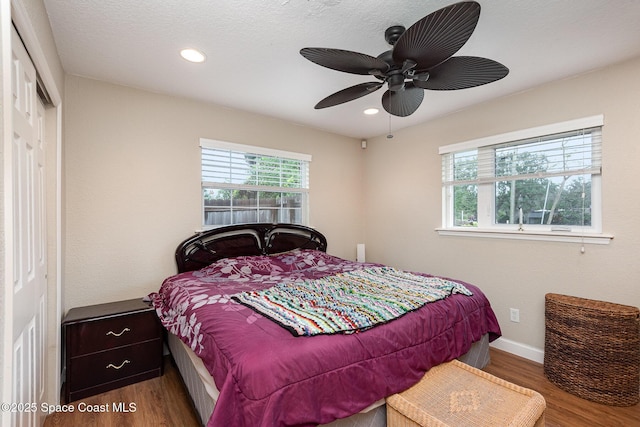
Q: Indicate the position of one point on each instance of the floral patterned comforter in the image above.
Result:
(268, 377)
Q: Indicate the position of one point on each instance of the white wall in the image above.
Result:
(514, 273)
(132, 183)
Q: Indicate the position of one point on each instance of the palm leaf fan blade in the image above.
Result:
(437, 36)
(348, 94)
(344, 60)
(462, 72)
(403, 102)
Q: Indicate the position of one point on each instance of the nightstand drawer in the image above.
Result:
(103, 334)
(112, 365)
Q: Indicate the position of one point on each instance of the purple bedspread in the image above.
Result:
(268, 377)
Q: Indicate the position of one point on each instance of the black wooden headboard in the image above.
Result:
(209, 246)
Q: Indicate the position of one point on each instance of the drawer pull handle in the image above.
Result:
(111, 365)
(117, 335)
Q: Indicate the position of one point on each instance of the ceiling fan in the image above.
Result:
(421, 58)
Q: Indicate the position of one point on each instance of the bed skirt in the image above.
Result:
(204, 394)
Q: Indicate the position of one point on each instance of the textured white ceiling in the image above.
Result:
(253, 61)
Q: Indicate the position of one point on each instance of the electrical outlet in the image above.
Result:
(515, 314)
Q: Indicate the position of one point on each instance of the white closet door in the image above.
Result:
(29, 238)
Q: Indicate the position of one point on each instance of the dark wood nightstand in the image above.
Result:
(107, 346)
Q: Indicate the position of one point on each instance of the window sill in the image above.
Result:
(549, 236)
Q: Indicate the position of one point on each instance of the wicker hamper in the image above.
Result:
(592, 349)
(457, 395)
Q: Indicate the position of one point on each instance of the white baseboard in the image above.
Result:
(519, 349)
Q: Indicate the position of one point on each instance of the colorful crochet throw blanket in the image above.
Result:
(347, 302)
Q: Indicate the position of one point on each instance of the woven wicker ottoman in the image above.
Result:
(592, 349)
(457, 395)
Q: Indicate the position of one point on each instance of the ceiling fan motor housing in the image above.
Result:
(394, 75)
(396, 81)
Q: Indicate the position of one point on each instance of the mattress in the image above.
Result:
(204, 393)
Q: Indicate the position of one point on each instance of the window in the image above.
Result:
(244, 184)
(545, 179)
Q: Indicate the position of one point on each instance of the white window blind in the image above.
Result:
(571, 153)
(256, 167)
(250, 170)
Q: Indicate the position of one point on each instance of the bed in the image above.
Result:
(242, 368)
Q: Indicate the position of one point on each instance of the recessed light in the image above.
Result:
(371, 111)
(192, 55)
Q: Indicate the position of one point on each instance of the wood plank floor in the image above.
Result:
(563, 409)
(164, 401)
(161, 401)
